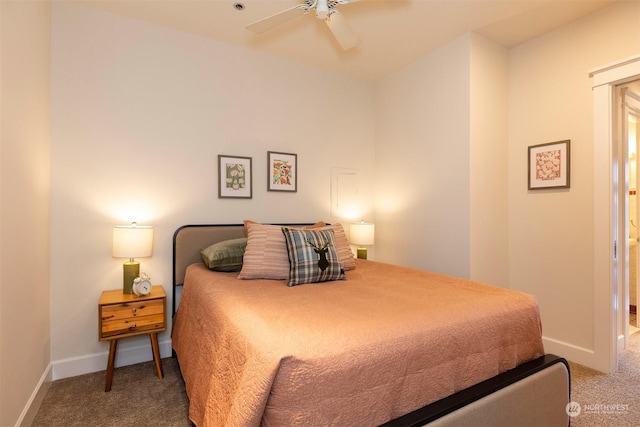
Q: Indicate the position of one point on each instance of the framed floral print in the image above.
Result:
(282, 170)
(549, 165)
(234, 177)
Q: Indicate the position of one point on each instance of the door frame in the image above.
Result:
(608, 267)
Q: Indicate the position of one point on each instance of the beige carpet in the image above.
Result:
(609, 400)
(139, 398)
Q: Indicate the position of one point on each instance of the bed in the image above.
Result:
(383, 345)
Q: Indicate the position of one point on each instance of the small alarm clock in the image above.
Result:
(142, 285)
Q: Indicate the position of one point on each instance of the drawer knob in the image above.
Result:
(133, 310)
(132, 327)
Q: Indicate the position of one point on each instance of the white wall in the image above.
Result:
(441, 171)
(488, 147)
(139, 115)
(422, 168)
(24, 214)
(551, 233)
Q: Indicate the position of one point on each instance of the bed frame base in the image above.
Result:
(533, 394)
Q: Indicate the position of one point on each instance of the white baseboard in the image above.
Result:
(96, 362)
(33, 404)
(573, 353)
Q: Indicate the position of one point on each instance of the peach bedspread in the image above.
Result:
(363, 351)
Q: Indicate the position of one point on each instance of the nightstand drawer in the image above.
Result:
(123, 315)
(132, 309)
(132, 325)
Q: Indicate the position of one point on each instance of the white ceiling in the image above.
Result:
(393, 33)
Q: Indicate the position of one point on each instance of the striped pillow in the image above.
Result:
(312, 256)
(265, 256)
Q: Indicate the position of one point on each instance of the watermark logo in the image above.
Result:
(573, 409)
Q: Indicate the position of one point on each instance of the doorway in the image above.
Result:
(610, 246)
(629, 119)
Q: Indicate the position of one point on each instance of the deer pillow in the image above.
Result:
(312, 256)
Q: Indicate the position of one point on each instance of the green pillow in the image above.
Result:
(312, 256)
(224, 256)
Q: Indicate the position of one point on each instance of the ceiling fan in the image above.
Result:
(325, 9)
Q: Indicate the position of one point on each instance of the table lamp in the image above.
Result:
(132, 241)
(362, 234)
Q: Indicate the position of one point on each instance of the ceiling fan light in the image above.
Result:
(322, 9)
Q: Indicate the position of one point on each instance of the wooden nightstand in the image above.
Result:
(127, 315)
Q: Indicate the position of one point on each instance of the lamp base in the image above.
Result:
(362, 253)
(131, 271)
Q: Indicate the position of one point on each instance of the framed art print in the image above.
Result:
(282, 170)
(549, 165)
(234, 177)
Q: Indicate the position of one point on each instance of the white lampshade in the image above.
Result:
(362, 233)
(132, 241)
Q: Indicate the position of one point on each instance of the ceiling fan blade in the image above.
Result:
(342, 31)
(279, 18)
